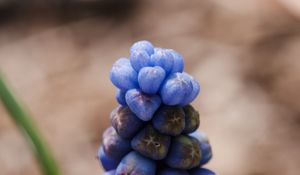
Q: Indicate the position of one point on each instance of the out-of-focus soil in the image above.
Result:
(244, 53)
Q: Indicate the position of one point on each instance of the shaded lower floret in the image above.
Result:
(125, 122)
(107, 162)
(151, 143)
(136, 164)
(184, 153)
(204, 146)
(192, 119)
(169, 120)
(115, 146)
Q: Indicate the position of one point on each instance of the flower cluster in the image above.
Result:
(154, 127)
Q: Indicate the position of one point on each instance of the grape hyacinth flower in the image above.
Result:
(154, 128)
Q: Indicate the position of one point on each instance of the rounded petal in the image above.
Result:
(178, 65)
(195, 90)
(162, 58)
(175, 89)
(143, 105)
(122, 75)
(143, 45)
(151, 78)
(139, 59)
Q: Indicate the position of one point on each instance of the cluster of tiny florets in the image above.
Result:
(154, 127)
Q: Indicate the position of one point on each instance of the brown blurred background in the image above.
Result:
(246, 55)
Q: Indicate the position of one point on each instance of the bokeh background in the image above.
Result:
(246, 54)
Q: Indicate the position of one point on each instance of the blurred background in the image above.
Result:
(246, 54)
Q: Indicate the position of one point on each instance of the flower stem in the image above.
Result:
(31, 132)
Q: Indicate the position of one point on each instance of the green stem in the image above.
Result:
(27, 125)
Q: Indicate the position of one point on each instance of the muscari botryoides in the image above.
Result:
(154, 127)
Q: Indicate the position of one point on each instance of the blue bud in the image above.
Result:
(144, 46)
(162, 58)
(122, 75)
(120, 96)
(151, 143)
(115, 146)
(178, 65)
(169, 120)
(125, 122)
(134, 164)
(112, 172)
(107, 162)
(204, 146)
(201, 171)
(143, 105)
(195, 90)
(139, 59)
(151, 78)
(175, 89)
(171, 171)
